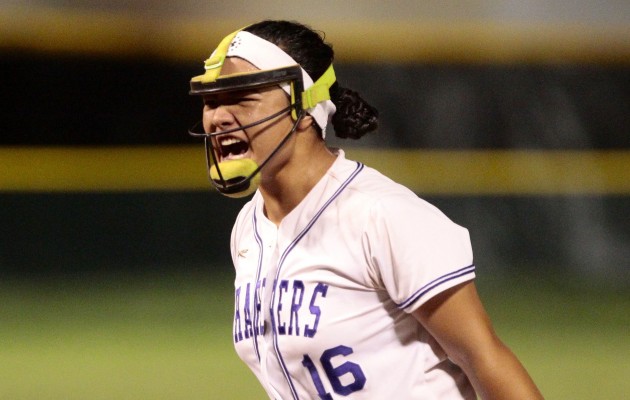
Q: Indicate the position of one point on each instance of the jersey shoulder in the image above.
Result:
(372, 189)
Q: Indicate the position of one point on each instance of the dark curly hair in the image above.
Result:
(354, 116)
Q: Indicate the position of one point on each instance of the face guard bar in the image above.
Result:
(246, 80)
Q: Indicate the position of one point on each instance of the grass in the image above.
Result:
(572, 339)
(120, 340)
(170, 339)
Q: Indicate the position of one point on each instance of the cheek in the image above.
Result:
(206, 119)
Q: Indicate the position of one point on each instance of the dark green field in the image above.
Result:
(169, 338)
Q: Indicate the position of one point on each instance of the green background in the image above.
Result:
(169, 337)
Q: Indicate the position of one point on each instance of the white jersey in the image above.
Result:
(323, 301)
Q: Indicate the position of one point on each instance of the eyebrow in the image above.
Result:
(229, 95)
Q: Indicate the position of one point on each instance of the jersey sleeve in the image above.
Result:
(415, 250)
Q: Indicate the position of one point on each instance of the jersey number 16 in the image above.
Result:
(334, 374)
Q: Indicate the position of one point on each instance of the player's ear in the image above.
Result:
(306, 122)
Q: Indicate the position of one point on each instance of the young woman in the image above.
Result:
(347, 284)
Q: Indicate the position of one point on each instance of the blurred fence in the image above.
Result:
(576, 229)
(469, 98)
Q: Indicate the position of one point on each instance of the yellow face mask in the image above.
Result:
(240, 178)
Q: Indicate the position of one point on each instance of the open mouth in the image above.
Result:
(231, 148)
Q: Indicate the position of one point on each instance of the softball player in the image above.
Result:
(347, 284)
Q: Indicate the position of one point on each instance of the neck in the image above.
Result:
(286, 188)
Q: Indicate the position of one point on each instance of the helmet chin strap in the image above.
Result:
(241, 177)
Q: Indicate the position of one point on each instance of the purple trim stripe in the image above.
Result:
(261, 249)
(286, 252)
(435, 283)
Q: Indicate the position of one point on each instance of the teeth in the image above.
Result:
(229, 153)
(229, 141)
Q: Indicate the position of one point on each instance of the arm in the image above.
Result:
(458, 321)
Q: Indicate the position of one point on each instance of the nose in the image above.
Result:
(217, 119)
